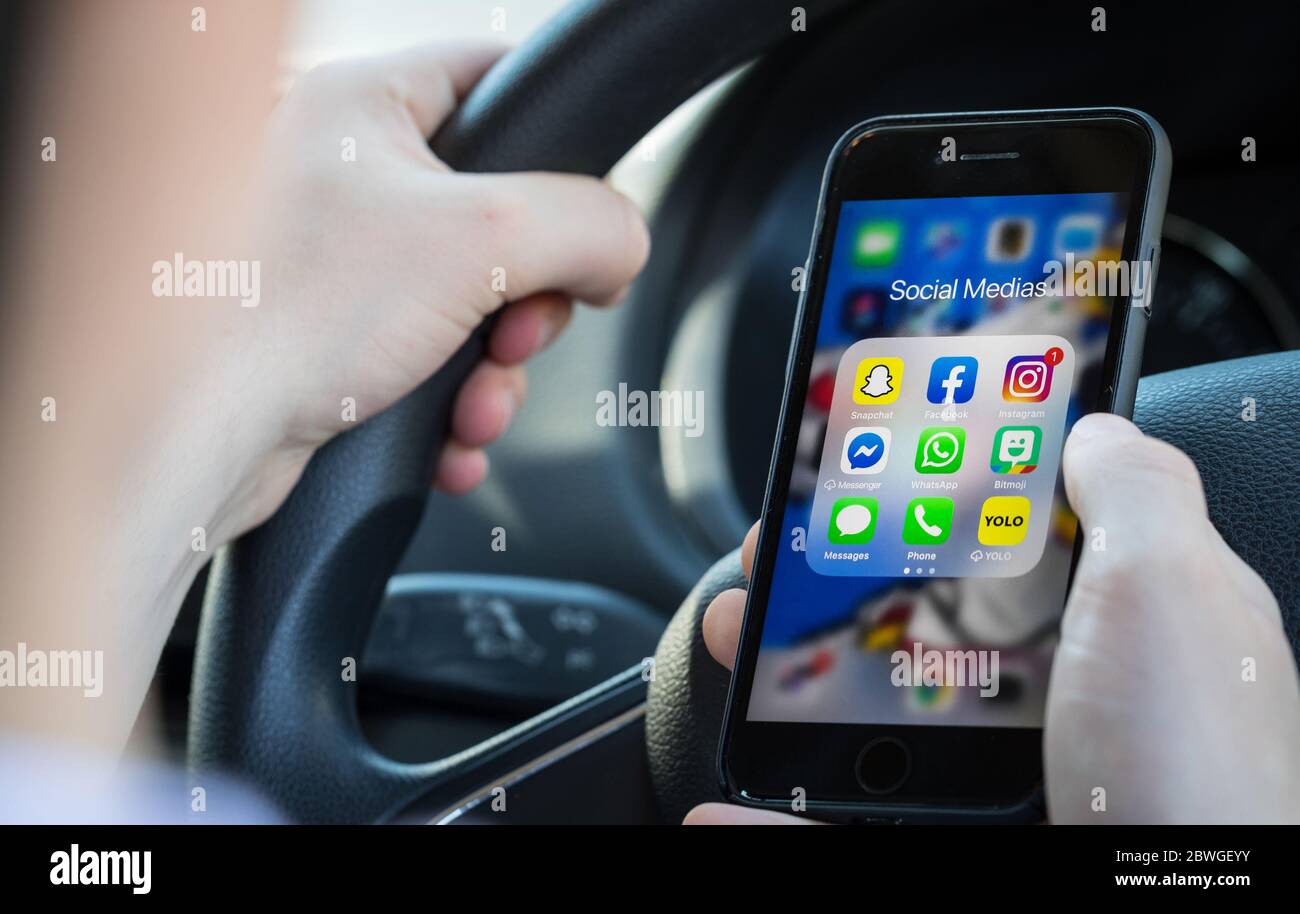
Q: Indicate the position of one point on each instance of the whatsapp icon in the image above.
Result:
(940, 449)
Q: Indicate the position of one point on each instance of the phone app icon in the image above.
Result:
(876, 381)
(940, 449)
(952, 379)
(1009, 240)
(1028, 379)
(1015, 449)
(853, 521)
(866, 450)
(928, 521)
(1004, 520)
(876, 243)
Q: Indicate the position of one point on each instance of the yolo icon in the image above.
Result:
(1004, 520)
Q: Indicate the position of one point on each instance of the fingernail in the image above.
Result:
(550, 327)
(552, 324)
(1096, 425)
(509, 403)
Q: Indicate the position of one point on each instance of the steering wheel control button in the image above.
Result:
(503, 645)
(883, 765)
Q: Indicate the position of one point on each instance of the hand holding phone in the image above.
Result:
(977, 283)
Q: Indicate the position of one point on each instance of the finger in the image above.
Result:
(1145, 496)
(527, 327)
(550, 232)
(726, 814)
(1129, 485)
(1142, 513)
(747, 550)
(438, 76)
(460, 469)
(428, 80)
(488, 399)
(721, 626)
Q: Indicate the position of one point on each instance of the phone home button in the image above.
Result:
(883, 765)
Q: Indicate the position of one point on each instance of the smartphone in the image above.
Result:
(976, 283)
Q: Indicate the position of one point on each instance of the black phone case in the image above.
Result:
(1123, 392)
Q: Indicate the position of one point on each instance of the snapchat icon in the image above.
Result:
(877, 381)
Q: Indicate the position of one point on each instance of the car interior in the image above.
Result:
(541, 634)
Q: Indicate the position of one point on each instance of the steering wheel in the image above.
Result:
(289, 603)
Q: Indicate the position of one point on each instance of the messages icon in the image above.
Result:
(853, 521)
(876, 244)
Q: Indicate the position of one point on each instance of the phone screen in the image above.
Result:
(925, 519)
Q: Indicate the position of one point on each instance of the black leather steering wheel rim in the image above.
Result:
(289, 603)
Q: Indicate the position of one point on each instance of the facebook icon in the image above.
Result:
(952, 379)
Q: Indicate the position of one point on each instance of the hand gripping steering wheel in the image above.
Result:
(290, 600)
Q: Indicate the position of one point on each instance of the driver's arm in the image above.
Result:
(147, 423)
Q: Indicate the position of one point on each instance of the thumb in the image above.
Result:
(424, 83)
(1123, 483)
(1142, 512)
(1141, 501)
(558, 233)
(1149, 717)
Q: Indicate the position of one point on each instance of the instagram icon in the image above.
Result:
(1028, 380)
